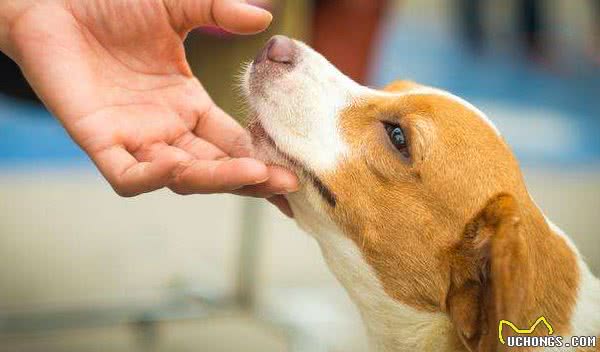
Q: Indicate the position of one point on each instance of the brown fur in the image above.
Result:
(434, 227)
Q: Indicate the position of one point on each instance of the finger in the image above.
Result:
(235, 16)
(220, 129)
(210, 176)
(128, 177)
(281, 181)
(282, 204)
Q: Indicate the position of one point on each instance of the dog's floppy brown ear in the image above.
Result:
(489, 275)
(400, 86)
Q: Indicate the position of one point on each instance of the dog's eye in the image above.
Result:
(397, 137)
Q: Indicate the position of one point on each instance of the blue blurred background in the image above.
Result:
(82, 269)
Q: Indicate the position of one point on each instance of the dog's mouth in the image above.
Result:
(262, 138)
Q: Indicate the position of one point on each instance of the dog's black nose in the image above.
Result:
(279, 48)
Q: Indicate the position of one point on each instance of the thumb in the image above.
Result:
(235, 16)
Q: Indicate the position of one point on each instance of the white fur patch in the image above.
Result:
(443, 93)
(299, 109)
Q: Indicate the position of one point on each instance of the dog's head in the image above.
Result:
(419, 179)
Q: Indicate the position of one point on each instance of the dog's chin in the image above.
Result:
(264, 146)
(266, 149)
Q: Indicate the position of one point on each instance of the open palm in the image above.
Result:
(114, 72)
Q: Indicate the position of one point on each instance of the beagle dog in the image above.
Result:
(420, 210)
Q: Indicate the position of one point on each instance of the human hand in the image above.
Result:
(114, 73)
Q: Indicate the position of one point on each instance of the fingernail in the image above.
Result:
(289, 189)
(292, 187)
(263, 180)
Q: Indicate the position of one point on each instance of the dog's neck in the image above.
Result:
(393, 326)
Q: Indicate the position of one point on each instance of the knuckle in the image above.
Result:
(177, 174)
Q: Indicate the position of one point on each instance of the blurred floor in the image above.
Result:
(236, 333)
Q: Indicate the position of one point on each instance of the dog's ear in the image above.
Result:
(400, 86)
(489, 275)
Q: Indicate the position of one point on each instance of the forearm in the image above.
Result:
(5, 15)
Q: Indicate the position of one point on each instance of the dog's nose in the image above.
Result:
(278, 49)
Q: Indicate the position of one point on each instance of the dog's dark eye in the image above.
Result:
(397, 137)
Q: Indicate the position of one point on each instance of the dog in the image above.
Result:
(419, 208)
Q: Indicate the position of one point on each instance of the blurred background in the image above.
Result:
(84, 270)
